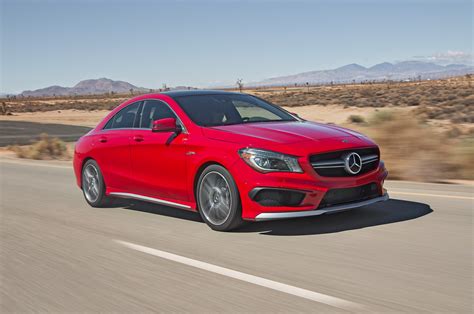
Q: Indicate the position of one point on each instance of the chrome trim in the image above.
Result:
(352, 160)
(328, 166)
(338, 163)
(316, 212)
(369, 159)
(333, 163)
(149, 199)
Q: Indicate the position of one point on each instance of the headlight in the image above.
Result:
(267, 161)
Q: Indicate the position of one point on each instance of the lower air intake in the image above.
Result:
(277, 197)
(349, 195)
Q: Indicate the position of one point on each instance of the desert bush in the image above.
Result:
(413, 102)
(454, 132)
(412, 150)
(354, 118)
(382, 116)
(45, 148)
(464, 158)
(439, 97)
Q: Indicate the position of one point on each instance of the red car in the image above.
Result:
(229, 156)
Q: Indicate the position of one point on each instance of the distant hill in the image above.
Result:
(407, 70)
(86, 87)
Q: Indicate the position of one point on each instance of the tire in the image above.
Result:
(218, 199)
(93, 186)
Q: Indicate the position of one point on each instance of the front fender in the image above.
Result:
(224, 154)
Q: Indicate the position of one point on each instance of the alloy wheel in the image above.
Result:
(90, 183)
(215, 199)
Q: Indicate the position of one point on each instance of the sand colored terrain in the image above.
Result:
(326, 114)
(447, 103)
(70, 117)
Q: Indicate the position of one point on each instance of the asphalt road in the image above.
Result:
(22, 132)
(413, 253)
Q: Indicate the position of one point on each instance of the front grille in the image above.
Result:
(349, 195)
(332, 164)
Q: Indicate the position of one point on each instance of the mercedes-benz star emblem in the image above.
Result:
(353, 163)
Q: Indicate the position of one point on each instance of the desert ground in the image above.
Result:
(414, 123)
(447, 102)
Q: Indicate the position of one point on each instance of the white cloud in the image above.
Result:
(449, 57)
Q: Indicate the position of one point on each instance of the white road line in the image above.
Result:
(434, 195)
(299, 292)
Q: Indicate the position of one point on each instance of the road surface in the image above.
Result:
(413, 253)
(22, 132)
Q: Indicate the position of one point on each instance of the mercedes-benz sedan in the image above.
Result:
(229, 156)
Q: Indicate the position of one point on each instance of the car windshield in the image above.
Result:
(225, 109)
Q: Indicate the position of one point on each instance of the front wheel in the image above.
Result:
(218, 199)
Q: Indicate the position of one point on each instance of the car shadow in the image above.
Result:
(391, 211)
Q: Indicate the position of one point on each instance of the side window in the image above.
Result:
(125, 118)
(154, 110)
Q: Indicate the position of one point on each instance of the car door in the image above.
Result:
(158, 168)
(112, 148)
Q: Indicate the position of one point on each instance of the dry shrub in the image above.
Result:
(414, 151)
(463, 156)
(445, 99)
(454, 132)
(354, 118)
(45, 149)
(380, 117)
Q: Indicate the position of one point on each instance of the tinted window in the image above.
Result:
(154, 110)
(214, 110)
(125, 118)
(251, 112)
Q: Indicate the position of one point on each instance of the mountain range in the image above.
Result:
(406, 70)
(86, 87)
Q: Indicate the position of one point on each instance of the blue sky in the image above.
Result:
(202, 43)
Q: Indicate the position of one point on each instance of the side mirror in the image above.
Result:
(166, 125)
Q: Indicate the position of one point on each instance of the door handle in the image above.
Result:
(103, 139)
(138, 138)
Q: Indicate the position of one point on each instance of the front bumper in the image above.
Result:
(313, 186)
(316, 212)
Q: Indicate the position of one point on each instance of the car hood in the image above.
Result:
(278, 132)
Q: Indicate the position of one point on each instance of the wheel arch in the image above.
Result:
(200, 171)
(236, 217)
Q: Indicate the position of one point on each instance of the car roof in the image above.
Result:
(195, 92)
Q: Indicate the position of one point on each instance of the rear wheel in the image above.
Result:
(93, 185)
(218, 199)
